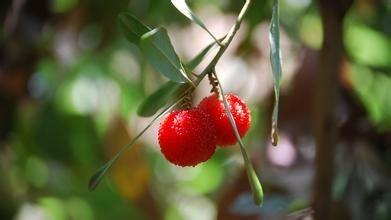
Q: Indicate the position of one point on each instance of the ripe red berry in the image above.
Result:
(240, 112)
(187, 137)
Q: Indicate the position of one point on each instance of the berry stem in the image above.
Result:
(274, 134)
(255, 184)
(97, 177)
(214, 83)
(187, 99)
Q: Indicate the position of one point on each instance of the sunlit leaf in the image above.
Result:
(98, 176)
(160, 53)
(132, 28)
(311, 23)
(159, 98)
(182, 6)
(255, 184)
(367, 45)
(275, 60)
(373, 88)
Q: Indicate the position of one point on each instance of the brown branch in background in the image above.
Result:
(332, 13)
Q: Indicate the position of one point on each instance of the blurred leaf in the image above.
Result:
(207, 178)
(157, 48)
(182, 6)
(367, 46)
(193, 63)
(132, 28)
(62, 6)
(97, 177)
(275, 60)
(54, 208)
(78, 208)
(59, 134)
(36, 171)
(311, 23)
(255, 184)
(373, 90)
(159, 98)
(132, 185)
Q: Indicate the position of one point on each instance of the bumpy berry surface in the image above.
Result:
(187, 137)
(215, 109)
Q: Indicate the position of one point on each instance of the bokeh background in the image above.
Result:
(70, 85)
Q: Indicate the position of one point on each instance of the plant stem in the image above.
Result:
(255, 184)
(225, 43)
(210, 69)
(95, 179)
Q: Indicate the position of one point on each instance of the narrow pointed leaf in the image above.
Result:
(193, 63)
(159, 52)
(159, 98)
(96, 178)
(131, 27)
(182, 6)
(255, 184)
(275, 60)
(99, 174)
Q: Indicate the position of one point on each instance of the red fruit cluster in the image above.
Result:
(189, 137)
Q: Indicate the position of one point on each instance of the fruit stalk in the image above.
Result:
(96, 178)
(255, 184)
(225, 43)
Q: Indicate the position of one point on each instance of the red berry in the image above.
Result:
(187, 137)
(240, 112)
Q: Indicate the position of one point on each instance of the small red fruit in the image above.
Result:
(187, 137)
(215, 109)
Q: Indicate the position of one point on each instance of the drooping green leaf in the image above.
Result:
(275, 60)
(132, 28)
(255, 184)
(160, 53)
(159, 98)
(182, 6)
(99, 174)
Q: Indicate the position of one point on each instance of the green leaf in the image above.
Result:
(193, 63)
(97, 177)
(160, 53)
(182, 6)
(99, 174)
(275, 60)
(255, 184)
(159, 98)
(132, 28)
